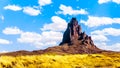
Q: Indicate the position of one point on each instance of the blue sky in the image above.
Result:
(38, 24)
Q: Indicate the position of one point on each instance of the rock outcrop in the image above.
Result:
(74, 33)
(74, 42)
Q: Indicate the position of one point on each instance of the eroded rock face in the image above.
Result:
(74, 33)
(78, 40)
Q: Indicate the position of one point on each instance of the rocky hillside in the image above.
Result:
(74, 42)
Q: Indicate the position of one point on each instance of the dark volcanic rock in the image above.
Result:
(78, 41)
(74, 33)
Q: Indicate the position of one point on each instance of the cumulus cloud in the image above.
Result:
(45, 39)
(106, 1)
(44, 2)
(41, 40)
(12, 31)
(98, 21)
(49, 38)
(31, 11)
(58, 24)
(13, 7)
(105, 46)
(116, 1)
(70, 11)
(107, 31)
(103, 1)
(99, 38)
(100, 35)
(4, 41)
(2, 17)
(4, 51)
(29, 37)
(51, 34)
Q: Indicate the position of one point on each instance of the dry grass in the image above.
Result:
(62, 61)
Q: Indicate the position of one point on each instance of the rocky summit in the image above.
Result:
(75, 41)
(74, 33)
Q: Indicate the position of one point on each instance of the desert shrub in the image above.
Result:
(61, 61)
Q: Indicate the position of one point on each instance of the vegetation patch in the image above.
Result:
(61, 61)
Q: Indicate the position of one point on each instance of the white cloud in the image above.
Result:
(2, 17)
(116, 1)
(58, 24)
(106, 1)
(43, 40)
(44, 2)
(29, 37)
(13, 7)
(70, 11)
(3, 51)
(99, 38)
(103, 45)
(98, 21)
(103, 1)
(45, 45)
(101, 35)
(107, 31)
(4, 41)
(51, 34)
(49, 38)
(31, 11)
(12, 31)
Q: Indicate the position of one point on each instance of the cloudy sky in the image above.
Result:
(38, 24)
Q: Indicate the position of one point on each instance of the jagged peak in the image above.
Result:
(74, 35)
